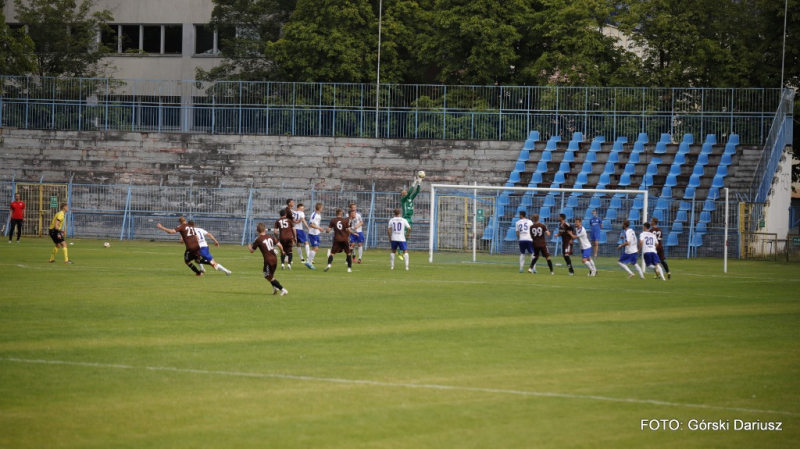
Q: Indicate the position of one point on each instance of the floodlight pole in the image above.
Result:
(475, 223)
(378, 79)
(783, 52)
(725, 249)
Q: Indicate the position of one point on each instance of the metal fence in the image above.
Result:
(385, 111)
(131, 212)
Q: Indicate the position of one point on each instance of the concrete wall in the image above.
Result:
(776, 216)
(264, 161)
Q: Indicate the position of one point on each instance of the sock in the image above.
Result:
(639, 269)
(550, 264)
(360, 251)
(311, 256)
(568, 260)
(66, 256)
(290, 257)
(407, 257)
(330, 259)
(220, 267)
(349, 261)
(659, 271)
(588, 264)
(594, 267)
(308, 251)
(191, 265)
(664, 264)
(521, 261)
(53, 256)
(625, 267)
(276, 284)
(391, 259)
(533, 262)
(283, 258)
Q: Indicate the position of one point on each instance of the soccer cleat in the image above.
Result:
(520, 270)
(52, 261)
(68, 261)
(309, 266)
(284, 292)
(327, 268)
(530, 271)
(198, 274)
(590, 273)
(400, 256)
(228, 272)
(283, 267)
(669, 275)
(274, 290)
(391, 268)
(302, 260)
(552, 272)
(359, 260)
(289, 266)
(631, 276)
(572, 273)
(406, 268)
(641, 277)
(349, 270)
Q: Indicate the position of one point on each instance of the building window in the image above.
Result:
(150, 39)
(204, 40)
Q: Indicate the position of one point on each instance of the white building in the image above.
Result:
(156, 39)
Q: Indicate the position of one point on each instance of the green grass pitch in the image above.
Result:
(127, 348)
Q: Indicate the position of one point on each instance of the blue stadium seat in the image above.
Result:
(663, 203)
(718, 182)
(694, 181)
(658, 213)
(709, 206)
(652, 169)
(623, 139)
(583, 178)
(683, 148)
(688, 138)
(630, 169)
(699, 170)
(666, 192)
(587, 168)
(634, 158)
(577, 136)
(534, 136)
(618, 146)
(524, 155)
(544, 213)
(688, 192)
(500, 209)
(605, 179)
(734, 139)
(568, 212)
(547, 156)
(677, 227)
(588, 214)
(643, 138)
(638, 147)
(595, 146)
(594, 203)
(572, 201)
(521, 208)
(509, 184)
(564, 167)
(624, 180)
(713, 194)
(707, 149)
(603, 237)
(529, 144)
(573, 145)
(655, 160)
(701, 228)
(680, 159)
(559, 178)
(672, 240)
(730, 149)
(613, 157)
(536, 178)
(722, 170)
(638, 202)
(681, 216)
(503, 200)
(511, 234)
(661, 148)
(549, 200)
(705, 217)
(569, 156)
(726, 159)
(551, 145)
(711, 138)
(541, 167)
(607, 221)
(519, 166)
(555, 185)
(611, 214)
(671, 181)
(488, 231)
(527, 200)
(666, 138)
(555, 138)
(697, 241)
(675, 170)
(609, 168)
(685, 205)
(616, 203)
(633, 215)
(590, 157)
(599, 138)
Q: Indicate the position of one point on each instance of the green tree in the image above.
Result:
(64, 34)
(16, 49)
(257, 22)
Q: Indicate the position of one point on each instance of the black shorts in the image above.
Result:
(192, 254)
(287, 245)
(540, 250)
(269, 269)
(566, 249)
(340, 247)
(660, 252)
(57, 236)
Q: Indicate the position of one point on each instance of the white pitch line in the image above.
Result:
(400, 385)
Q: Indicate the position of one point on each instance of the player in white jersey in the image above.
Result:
(523, 229)
(207, 258)
(314, 230)
(586, 246)
(648, 242)
(631, 253)
(356, 222)
(397, 234)
(299, 219)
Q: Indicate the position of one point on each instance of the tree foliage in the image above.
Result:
(16, 49)
(64, 34)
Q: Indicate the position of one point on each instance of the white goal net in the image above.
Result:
(476, 224)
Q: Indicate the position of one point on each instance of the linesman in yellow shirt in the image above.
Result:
(57, 230)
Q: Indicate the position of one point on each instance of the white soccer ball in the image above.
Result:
(107, 245)
(421, 174)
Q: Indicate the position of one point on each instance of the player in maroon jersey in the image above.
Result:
(567, 233)
(341, 239)
(189, 238)
(287, 236)
(267, 244)
(539, 233)
(660, 247)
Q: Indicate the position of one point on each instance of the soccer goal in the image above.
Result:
(476, 224)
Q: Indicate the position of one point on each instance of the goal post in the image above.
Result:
(475, 223)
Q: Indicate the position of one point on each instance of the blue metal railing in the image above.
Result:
(780, 135)
(405, 111)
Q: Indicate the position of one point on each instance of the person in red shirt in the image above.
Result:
(17, 217)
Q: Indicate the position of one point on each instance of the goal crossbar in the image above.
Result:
(476, 187)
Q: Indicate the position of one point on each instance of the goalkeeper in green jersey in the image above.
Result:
(407, 202)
